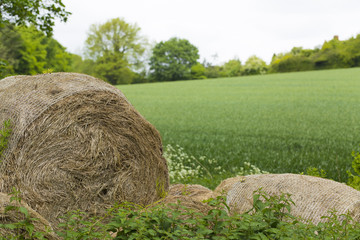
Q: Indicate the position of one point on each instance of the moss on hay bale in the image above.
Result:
(314, 197)
(13, 216)
(77, 143)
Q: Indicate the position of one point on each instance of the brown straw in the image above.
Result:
(77, 143)
(313, 197)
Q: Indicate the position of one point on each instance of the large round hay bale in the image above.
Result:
(14, 216)
(194, 191)
(313, 197)
(77, 143)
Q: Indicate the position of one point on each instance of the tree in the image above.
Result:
(116, 43)
(82, 66)
(172, 60)
(114, 69)
(33, 54)
(26, 50)
(57, 58)
(254, 65)
(40, 13)
(11, 46)
(233, 68)
(198, 71)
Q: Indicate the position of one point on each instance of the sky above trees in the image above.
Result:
(229, 29)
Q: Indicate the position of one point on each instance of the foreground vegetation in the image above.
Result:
(270, 218)
(279, 122)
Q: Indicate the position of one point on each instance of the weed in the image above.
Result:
(354, 179)
(187, 169)
(24, 228)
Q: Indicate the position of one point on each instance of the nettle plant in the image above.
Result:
(354, 179)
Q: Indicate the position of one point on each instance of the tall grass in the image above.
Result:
(278, 122)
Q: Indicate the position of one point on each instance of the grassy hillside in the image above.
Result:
(279, 122)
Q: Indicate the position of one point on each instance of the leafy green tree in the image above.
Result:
(214, 71)
(33, 55)
(254, 65)
(291, 63)
(198, 71)
(40, 13)
(116, 43)
(80, 65)
(57, 58)
(114, 69)
(26, 50)
(352, 53)
(11, 46)
(172, 60)
(298, 59)
(331, 55)
(233, 68)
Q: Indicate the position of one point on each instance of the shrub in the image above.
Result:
(313, 171)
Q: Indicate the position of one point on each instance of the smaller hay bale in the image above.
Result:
(40, 225)
(188, 196)
(185, 201)
(314, 197)
(194, 191)
(224, 187)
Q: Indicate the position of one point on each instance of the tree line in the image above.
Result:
(332, 54)
(116, 52)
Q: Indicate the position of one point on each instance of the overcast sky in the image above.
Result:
(226, 28)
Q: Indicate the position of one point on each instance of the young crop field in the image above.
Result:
(281, 123)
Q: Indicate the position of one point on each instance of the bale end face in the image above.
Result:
(78, 144)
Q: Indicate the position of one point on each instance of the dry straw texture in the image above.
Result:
(179, 201)
(77, 143)
(223, 188)
(188, 196)
(313, 196)
(40, 224)
(195, 191)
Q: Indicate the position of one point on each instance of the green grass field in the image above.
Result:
(278, 122)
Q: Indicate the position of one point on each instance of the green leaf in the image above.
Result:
(24, 211)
